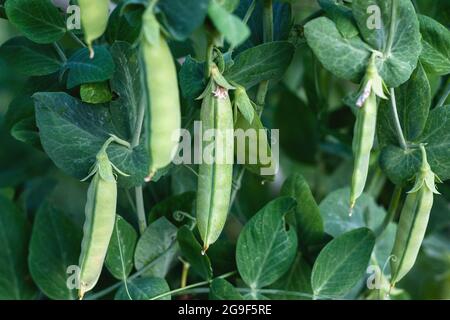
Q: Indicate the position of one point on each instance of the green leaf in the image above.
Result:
(397, 37)
(126, 83)
(120, 28)
(95, 93)
(72, 133)
(156, 246)
(39, 21)
(334, 209)
(83, 69)
(191, 251)
(229, 25)
(172, 207)
(308, 220)
(401, 165)
(192, 78)
(265, 249)
(342, 263)
(178, 17)
(221, 289)
(345, 58)
(119, 258)
(55, 246)
(26, 131)
(29, 58)
(435, 54)
(413, 100)
(296, 282)
(144, 289)
(342, 17)
(14, 230)
(264, 62)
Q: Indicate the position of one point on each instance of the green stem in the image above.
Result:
(60, 52)
(268, 21)
(195, 285)
(184, 274)
(138, 126)
(392, 210)
(209, 57)
(77, 40)
(140, 209)
(444, 96)
(398, 126)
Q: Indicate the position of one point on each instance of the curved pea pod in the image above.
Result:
(98, 227)
(164, 109)
(413, 222)
(216, 170)
(94, 19)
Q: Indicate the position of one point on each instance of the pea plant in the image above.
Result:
(225, 149)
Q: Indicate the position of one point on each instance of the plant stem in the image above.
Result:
(184, 274)
(398, 126)
(60, 52)
(195, 285)
(138, 126)
(392, 210)
(140, 209)
(444, 96)
(77, 40)
(209, 57)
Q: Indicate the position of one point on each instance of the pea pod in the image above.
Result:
(164, 109)
(94, 19)
(413, 221)
(365, 127)
(215, 177)
(98, 227)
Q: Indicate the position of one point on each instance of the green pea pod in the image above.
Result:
(363, 139)
(164, 109)
(94, 19)
(100, 214)
(413, 222)
(215, 177)
(365, 127)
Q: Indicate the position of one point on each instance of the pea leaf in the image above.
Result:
(397, 36)
(39, 21)
(95, 93)
(29, 58)
(435, 54)
(120, 28)
(401, 165)
(126, 83)
(296, 283)
(14, 277)
(229, 25)
(54, 247)
(221, 289)
(156, 246)
(334, 210)
(345, 58)
(178, 18)
(413, 100)
(342, 263)
(308, 220)
(143, 289)
(192, 78)
(119, 258)
(83, 69)
(265, 249)
(191, 250)
(73, 132)
(264, 62)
